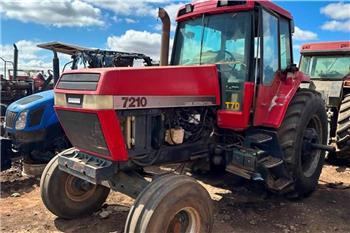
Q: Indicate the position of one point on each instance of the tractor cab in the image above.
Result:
(250, 43)
(328, 65)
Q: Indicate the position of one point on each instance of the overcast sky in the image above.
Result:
(132, 25)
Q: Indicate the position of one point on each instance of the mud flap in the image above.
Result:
(6, 153)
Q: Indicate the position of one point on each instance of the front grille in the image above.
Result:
(86, 82)
(84, 131)
(10, 119)
(35, 116)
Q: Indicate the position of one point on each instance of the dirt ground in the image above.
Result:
(240, 207)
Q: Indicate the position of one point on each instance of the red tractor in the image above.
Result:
(230, 99)
(328, 65)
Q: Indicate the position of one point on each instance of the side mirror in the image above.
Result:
(292, 68)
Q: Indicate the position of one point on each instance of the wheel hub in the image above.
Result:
(78, 189)
(309, 155)
(186, 220)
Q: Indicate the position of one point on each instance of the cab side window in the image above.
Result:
(270, 47)
(285, 51)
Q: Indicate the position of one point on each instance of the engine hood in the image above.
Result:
(32, 101)
(200, 80)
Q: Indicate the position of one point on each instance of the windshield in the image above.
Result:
(224, 40)
(220, 39)
(326, 67)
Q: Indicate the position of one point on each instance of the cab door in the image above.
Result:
(274, 88)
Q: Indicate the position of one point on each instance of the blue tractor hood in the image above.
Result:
(32, 101)
(41, 113)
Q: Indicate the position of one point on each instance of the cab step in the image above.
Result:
(280, 184)
(260, 138)
(270, 162)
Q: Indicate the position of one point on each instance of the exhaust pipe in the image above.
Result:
(15, 61)
(164, 47)
(56, 67)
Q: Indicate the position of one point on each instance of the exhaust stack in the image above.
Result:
(15, 61)
(164, 47)
(56, 67)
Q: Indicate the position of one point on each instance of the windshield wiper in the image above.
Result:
(330, 67)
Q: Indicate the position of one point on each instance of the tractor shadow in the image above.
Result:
(114, 222)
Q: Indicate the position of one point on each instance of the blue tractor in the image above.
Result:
(32, 129)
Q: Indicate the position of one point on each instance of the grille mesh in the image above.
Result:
(10, 119)
(83, 130)
(87, 82)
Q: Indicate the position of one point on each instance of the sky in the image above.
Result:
(132, 25)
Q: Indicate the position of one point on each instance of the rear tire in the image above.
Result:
(306, 113)
(343, 128)
(171, 203)
(67, 196)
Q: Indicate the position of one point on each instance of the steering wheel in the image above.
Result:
(232, 62)
(232, 58)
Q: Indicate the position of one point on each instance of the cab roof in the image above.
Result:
(326, 47)
(65, 48)
(200, 7)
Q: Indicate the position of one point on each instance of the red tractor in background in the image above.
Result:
(328, 64)
(230, 99)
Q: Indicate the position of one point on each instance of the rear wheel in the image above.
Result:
(305, 123)
(172, 204)
(67, 196)
(343, 128)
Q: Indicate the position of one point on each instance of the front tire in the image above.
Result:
(67, 196)
(171, 203)
(305, 122)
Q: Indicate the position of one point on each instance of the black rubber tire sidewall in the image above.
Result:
(55, 199)
(314, 105)
(161, 203)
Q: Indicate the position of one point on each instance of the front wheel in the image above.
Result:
(171, 203)
(67, 196)
(305, 123)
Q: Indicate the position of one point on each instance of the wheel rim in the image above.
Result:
(78, 190)
(186, 220)
(310, 157)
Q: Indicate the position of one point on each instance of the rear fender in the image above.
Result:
(273, 101)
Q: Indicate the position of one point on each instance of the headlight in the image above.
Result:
(85, 101)
(21, 121)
